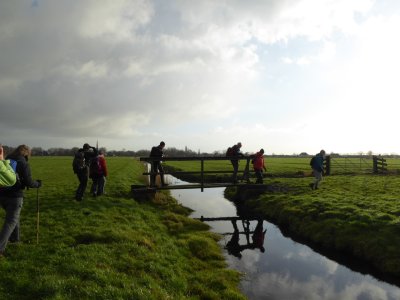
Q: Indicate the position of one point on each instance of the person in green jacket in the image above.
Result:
(7, 174)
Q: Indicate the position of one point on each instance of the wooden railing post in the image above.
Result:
(328, 165)
(246, 173)
(375, 164)
(202, 175)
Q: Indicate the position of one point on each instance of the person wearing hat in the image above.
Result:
(81, 165)
(259, 166)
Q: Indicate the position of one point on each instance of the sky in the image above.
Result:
(288, 76)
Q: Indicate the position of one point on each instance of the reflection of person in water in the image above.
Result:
(258, 236)
(233, 246)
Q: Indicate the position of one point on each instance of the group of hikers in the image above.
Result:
(15, 176)
(234, 152)
(89, 162)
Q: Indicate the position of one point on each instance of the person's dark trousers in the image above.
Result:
(83, 180)
(97, 188)
(235, 164)
(259, 175)
(10, 230)
(94, 187)
(101, 186)
(156, 167)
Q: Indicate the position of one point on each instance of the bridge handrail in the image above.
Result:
(199, 158)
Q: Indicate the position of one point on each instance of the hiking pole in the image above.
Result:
(37, 215)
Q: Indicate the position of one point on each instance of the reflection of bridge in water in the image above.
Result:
(254, 238)
(203, 182)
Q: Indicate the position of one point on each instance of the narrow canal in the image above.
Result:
(282, 268)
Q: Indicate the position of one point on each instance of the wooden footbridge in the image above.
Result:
(243, 175)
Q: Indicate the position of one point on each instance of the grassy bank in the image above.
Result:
(111, 247)
(358, 215)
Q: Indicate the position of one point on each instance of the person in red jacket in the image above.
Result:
(259, 166)
(98, 173)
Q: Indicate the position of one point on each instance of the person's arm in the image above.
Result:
(24, 171)
(95, 151)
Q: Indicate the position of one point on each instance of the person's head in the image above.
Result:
(162, 144)
(21, 150)
(262, 151)
(322, 153)
(86, 147)
(239, 145)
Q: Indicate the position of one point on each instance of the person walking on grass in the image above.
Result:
(259, 166)
(317, 165)
(235, 153)
(11, 198)
(80, 166)
(157, 152)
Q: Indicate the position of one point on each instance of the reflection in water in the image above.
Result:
(287, 269)
(235, 248)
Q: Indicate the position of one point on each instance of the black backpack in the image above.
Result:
(95, 167)
(312, 161)
(78, 164)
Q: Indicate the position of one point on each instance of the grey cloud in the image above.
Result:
(119, 68)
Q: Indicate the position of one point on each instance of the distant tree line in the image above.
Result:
(173, 152)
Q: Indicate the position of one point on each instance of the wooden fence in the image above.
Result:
(379, 165)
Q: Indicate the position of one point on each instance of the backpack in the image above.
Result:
(8, 180)
(312, 161)
(78, 164)
(95, 167)
(229, 151)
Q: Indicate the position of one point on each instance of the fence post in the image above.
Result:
(328, 165)
(246, 173)
(202, 175)
(375, 164)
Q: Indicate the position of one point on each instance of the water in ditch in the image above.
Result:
(281, 268)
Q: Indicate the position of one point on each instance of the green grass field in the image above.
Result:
(357, 214)
(111, 247)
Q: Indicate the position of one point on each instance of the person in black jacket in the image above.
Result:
(236, 154)
(81, 164)
(11, 198)
(157, 152)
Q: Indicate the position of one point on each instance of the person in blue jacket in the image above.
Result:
(317, 165)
